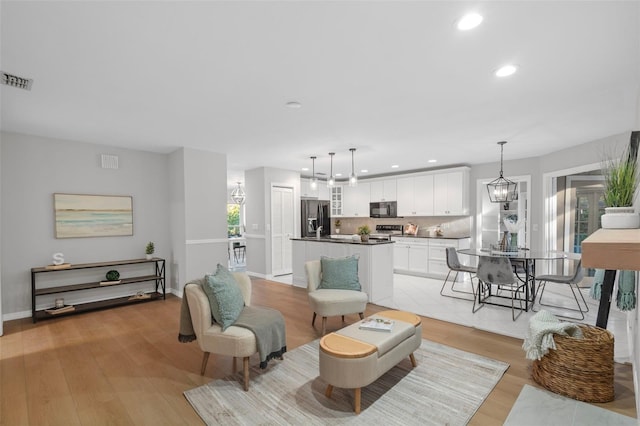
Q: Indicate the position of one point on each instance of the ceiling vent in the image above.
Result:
(15, 81)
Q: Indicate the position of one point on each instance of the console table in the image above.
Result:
(612, 250)
(157, 277)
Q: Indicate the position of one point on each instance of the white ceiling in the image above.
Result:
(394, 79)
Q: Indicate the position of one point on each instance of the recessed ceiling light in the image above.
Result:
(293, 104)
(338, 174)
(395, 166)
(364, 171)
(433, 161)
(506, 70)
(469, 21)
(305, 169)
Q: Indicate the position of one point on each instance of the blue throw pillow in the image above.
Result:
(339, 274)
(225, 297)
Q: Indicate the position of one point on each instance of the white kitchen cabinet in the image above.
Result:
(324, 192)
(411, 255)
(415, 196)
(438, 267)
(336, 201)
(356, 200)
(451, 193)
(383, 190)
(306, 191)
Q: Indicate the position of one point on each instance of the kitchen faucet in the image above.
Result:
(318, 231)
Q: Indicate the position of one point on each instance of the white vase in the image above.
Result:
(620, 218)
(149, 256)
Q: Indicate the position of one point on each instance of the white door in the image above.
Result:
(282, 226)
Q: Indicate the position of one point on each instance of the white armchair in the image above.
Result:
(331, 302)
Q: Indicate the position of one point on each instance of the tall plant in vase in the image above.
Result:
(621, 180)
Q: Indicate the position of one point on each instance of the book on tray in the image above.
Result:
(377, 324)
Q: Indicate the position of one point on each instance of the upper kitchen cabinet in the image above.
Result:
(383, 190)
(356, 200)
(306, 191)
(451, 193)
(415, 196)
(336, 199)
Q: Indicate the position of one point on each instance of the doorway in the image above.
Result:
(282, 229)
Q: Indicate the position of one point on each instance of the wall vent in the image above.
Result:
(109, 161)
(15, 81)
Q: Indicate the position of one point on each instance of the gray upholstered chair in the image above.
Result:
(331, 302)
(498, 272)
(455, 266)
(237, 342)
(572, 281)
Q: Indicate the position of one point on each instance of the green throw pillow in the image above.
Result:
(339, 274)
(225, 297)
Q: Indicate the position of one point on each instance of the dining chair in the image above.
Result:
(455, 266)
(572, 281)
(239, 249)
(498, 271)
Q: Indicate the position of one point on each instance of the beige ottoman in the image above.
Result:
(352, 358)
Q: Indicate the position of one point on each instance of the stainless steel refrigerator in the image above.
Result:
(315, 213)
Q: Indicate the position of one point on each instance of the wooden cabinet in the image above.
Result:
(415, 196)
(54, 283)
(451, 193)
(356, 200)
(383, 190)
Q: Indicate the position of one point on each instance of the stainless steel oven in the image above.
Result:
(383, 209)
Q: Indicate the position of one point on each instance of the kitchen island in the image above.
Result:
(375, 264)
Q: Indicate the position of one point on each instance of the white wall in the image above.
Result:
(33, 168)
(1, 238)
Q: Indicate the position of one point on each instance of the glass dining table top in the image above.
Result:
(520, 254)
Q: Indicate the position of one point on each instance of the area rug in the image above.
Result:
(446, 388)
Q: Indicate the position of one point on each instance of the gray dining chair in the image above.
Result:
(455, 266)
(497, 271)
(572, 281)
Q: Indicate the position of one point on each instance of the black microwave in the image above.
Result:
(383, 209)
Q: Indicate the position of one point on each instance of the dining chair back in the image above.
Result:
(497, 271)
(453, 262)
(568, 280)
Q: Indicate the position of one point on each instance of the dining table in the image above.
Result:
(522, 257)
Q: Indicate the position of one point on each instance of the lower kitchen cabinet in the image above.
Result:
(424, 256)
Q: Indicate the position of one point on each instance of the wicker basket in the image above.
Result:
(581, 369)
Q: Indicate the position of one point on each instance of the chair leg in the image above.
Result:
(361, 315)
(343, 319)
(204, 363)
(313, 321)
(543, 285)
(245, 369)
(324, 325)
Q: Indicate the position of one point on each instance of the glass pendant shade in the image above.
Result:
(237, 195)
(313, 182)
(502, 190)
(331, 181)
(353, 178)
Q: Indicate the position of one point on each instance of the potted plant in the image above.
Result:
(364, 232)
(621, 180)
(149, 250)
(337, 225)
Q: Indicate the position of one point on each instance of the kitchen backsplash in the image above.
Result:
(453, 226)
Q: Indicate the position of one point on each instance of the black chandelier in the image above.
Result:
(502, 190)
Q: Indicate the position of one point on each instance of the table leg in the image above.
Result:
(358, 392)
(605, 298)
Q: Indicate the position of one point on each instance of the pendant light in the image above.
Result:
(353, 178)
(237, 195)
(313, 182)
(502, 190)
(331, 182)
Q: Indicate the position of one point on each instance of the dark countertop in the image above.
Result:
(444, 237)
(343, 241)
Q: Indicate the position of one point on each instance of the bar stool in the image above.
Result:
(239, 249)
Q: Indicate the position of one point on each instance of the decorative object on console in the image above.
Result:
(113, 277)
(502, 190)
(237, 195)
(78, 215)
(364, 232)
(150, 249)
(621, 180)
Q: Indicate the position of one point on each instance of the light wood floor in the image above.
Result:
(125, 365)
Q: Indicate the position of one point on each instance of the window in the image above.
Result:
(233, 220)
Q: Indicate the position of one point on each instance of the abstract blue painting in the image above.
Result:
(81, 216)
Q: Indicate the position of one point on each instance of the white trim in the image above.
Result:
(255, 236)
(257, 275)
(16, 315)
(207, 241)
